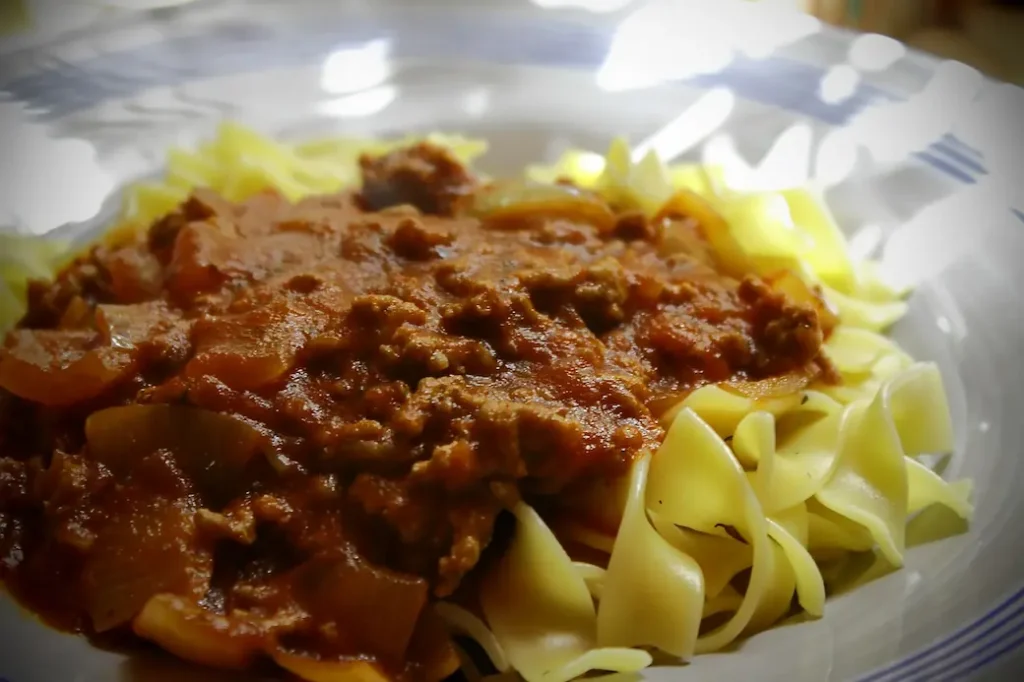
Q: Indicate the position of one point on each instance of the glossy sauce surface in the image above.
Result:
(282, 430)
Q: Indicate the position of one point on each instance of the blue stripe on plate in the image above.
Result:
(958, 674)
(949, 643)
(946, 166)
(966, 652)
(65, 88)
(955, 141)
(984, 656)
(964, 159)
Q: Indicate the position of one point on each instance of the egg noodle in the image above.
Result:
(754, 498)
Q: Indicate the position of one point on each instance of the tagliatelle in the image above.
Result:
(593, 576)
(789, 474)
(827, 255)
(723, 410)
(696, 482)
(775, 599)
(863, 314)
(727, 602)
(840, 463)
(748, 502)
(809, 585)
(541, 612)
(868, 481)
(829, 533)
(927, 488)
(463, 622)
(653, 594)
(720, 557)
(855, 352)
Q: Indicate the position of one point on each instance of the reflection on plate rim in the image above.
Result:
(975, 644)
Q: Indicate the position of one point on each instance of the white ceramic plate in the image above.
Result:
(920, 160)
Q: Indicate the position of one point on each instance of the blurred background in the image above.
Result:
(987, 34)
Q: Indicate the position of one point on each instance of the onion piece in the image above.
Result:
(377, 607)
(147, 546)
(773, 387)
(685, 236)
(316, 670)
(715, 229)
(195, 634)
(60, 368)
(510, 201)
(213, 449)
(251, 350)
(431, 655)
(134, 325)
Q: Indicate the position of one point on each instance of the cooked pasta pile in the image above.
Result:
(754, 493)
(801, 479)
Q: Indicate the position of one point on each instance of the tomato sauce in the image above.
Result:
(264, 429)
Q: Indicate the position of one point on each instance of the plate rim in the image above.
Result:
(949, 156)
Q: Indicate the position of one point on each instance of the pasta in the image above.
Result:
(828, 469)
(757, 490)
(845, 480)
(540, 610)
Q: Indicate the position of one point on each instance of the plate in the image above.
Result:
(918, 160)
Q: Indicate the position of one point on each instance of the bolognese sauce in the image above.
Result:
(265, 429)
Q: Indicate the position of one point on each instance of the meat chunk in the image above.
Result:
(416, 240)
(202, 205)
(86, 279)
(425, 176)
(784, 329)
(265, 428)
(427, 525)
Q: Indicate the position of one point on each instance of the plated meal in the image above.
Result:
(350, 411)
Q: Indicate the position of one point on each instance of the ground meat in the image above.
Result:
(415, 240)
(425, 176)
(634, 225)
(784, 329)
(86, 279)
(202, 205)
(403, 375)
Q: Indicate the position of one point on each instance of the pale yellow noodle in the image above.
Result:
(787, 488)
